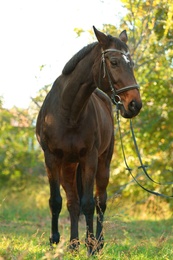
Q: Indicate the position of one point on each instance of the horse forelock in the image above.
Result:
(71, 64)
(118, 43)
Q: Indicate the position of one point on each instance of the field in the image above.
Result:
(132, 231)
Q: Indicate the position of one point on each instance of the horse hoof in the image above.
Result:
(100, 244)
(91, 244)
(94, 245)
(54, 239)
(74, 245)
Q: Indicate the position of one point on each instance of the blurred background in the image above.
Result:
(38, 38)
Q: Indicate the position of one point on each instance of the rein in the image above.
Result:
(142, 166)
(115, 92)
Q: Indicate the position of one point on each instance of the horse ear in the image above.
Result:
(101, 37)
(123, 36)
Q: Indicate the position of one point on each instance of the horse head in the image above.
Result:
(116, 76)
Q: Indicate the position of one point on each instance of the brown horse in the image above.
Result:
(75, 131)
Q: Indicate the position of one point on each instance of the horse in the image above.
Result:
(75, 129)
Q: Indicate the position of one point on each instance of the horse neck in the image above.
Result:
(78, 87)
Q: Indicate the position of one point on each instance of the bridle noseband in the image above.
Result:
(115, 92)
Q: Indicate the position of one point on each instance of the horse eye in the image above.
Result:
(114, 62)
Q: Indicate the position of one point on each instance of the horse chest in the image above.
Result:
(70, 143)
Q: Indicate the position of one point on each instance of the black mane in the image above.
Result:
(71, 64)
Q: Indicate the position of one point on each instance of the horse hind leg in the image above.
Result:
(55, 204)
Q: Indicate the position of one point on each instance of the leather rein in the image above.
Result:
(142, 166)
(115, 92)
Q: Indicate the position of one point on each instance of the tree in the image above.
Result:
(19, 153)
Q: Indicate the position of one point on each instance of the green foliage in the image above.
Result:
(19, 153)
(1, 101)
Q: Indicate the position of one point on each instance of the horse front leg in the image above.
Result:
(88, 203)
(102, 179)
(100, 209)
(55, 201)
(88, 206)
(68, 181)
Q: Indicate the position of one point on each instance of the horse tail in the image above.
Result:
(79, 183)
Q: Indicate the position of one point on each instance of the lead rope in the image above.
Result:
(137, 150)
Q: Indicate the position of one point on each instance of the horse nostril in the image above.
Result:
(132, 105)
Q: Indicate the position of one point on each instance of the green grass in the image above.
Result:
(130, 233)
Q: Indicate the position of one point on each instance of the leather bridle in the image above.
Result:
(116, 99)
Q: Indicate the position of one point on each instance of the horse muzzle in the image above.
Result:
(132, 109)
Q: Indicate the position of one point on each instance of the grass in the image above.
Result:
(131, 232)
